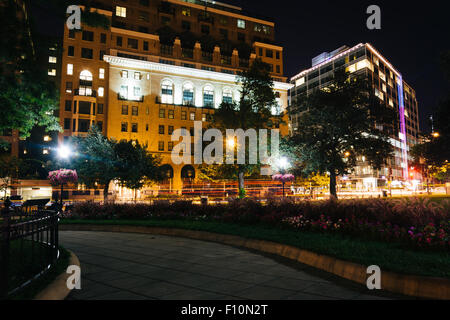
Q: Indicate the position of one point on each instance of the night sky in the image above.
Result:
(412, 36)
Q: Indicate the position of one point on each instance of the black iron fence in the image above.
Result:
(29, 246)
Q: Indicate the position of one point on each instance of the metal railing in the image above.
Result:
(29, 246)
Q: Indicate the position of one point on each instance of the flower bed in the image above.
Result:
(419, 223)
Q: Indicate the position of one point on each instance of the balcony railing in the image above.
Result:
(207, 56)
(187, 53)
(129, 98)
(244, 63)
(166, 50)
(226, 60)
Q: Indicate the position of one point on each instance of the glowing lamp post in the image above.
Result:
(283, 165)
(63, 176)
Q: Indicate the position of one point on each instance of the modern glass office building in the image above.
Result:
(389, 87)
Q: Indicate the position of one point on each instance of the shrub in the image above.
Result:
(417, 222)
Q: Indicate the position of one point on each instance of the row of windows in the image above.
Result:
(167, 94)
(86, 53)
(269, 53)
(203, 16)
(184, 115)
(83, 125)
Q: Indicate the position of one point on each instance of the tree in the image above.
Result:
(9, 170)
(340, 123)
(136, 167)
(26, 93)
(252, 111)
(97, 161)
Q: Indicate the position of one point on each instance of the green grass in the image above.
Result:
(22, 268)
(389, 256)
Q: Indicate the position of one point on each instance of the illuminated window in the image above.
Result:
(192, 116)
(101, 73)
(137, 92)
(52, 59)
(379, 94)
(137, 76)
(52, 72)
(241, 24)
(124, 92)
(101, 91)
(382, 76)
(300, 81)
(167, 92)
(391, 102)
(70, 69)
(227, 95)
(208, 96)
(86, 75)
(47, 138)
(384, 87)
(188, 94)
(124, 74)
(186, 12)
(121, 12)
(45, 151)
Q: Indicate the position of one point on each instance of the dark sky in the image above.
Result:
(412, 36)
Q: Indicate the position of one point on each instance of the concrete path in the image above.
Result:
(117, 266)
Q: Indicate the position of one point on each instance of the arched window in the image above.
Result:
(208, 96)
(85, 83)
(167, 92)
(85, 75)
(188, 94)
(227, 95)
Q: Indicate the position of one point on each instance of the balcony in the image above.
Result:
(85, 93)
(129, 98)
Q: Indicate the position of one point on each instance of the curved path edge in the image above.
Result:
(57, 290)
(415, 286)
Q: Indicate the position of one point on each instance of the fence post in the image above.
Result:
(4, 263)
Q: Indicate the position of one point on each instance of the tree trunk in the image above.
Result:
(105, 192)
(241, 181)
(333, 192)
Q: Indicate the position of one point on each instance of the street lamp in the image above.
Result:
(436, 135)
(283, 163)
(64, 152)
(231, 143)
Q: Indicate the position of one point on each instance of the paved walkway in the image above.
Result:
(135, 267)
